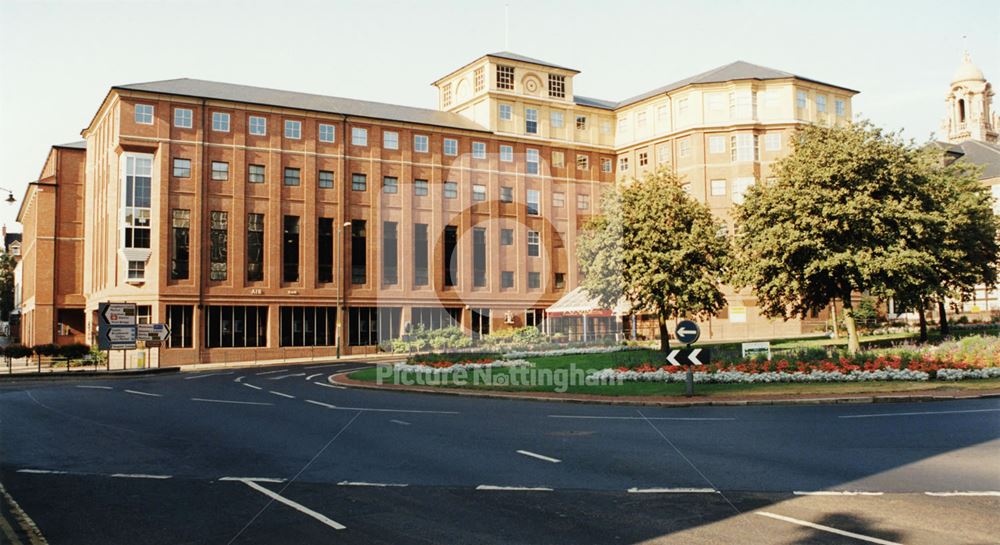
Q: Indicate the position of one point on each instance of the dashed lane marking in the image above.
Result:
(206, 375)
(829, 529)
(310, 377)
(329, 385)
(673, 491)
(255, 479)
(139, 476)
(282, 377)
(362, 483)
(248, 385)
(272, 372)
(514, 488)
(41, 471)
(294, 505)
(239, 378)
(400, 422)
(138, 393)
(539, 456)
(367, 409)
(920, 413)
(203, 400)
(583, 417)
(282, 394)
(835, 493)
(89, 387)
(321, 404)
(970, 493)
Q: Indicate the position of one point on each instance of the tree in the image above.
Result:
(7, 264)
(656, 247)
(842, 216)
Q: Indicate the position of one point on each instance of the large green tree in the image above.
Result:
(656, 247)
(848, 212)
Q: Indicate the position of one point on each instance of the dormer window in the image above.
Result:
(557, 86)
(505, 77)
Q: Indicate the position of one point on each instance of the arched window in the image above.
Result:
(961, 110)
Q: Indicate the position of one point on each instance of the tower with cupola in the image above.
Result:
(969, 101)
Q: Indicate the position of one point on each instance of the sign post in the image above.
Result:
(688, 333)
(116, 329)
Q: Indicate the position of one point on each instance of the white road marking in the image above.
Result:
(139, 476)
(321, 404)
(297, 506)
(835, 493)
(971, 493)
(281, 394)
(94, 387)
(137, 392)
(206, 375)
(272, 372)
(400, 422)
(361, 483)
(282, 377)
(239, 378)
(310, 377)
(826, 528)
(248, 385)
(256, 479)
(412, 411)
(539, 456)
(328, 385)
(921, 413)
(229, 401)
(514, 488)
(673, 491)
(635, 417)
(41, 471)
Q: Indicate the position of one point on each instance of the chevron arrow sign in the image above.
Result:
(689, 356)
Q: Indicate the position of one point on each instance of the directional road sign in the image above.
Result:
(116, 326)
(152, 332)
(687, 332)
(117, 313)
(689, 356)
(119, 337)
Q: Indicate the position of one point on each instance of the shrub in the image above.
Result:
(45, 350)
(17, 351)
(74, 351)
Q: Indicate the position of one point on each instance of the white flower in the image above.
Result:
(570, 351)
(404, 367)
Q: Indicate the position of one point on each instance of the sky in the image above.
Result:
(59, 58)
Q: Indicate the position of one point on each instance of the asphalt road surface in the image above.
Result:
(278, 455)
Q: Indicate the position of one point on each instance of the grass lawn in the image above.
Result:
(501, 381)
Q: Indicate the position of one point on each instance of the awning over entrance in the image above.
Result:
(578, 303)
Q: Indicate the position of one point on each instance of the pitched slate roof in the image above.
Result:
(82, 144)
(595, 102)
(197, 88)
(982, 153)
(521, 58)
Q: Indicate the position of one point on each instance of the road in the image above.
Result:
(278, 455)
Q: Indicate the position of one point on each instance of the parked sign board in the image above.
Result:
(750, 349)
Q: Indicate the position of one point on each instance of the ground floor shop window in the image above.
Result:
(180, 321)
(235, 326)
(480, 322)
(371, 325)
(308, 326)
(436, 318)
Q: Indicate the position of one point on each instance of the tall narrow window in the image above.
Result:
(359, 252)
(180, 320)
(390, 253)
(255, 247)
(290, 250)
(219, 234)
(532, 160)
(534, 244)
(179, 252)
(138, 201)
(479, 257)
(450, 256)
(420, 277)
(324, 251)
(534, 198)
(531, 121)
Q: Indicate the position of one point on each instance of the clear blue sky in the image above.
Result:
(58, 58)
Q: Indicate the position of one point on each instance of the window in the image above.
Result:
(506, 112)
(359, 136)
(800, 99)
(583, 201)
(359, 182)
(505, 77)
(144, 114)
(534, 244)
(507, 279)
(560, 281)
(772, 141)
(534, 280)
(740, 187)
(506, 237)
(662, 117)
(532, 161)
(325, 179)
(558, 159)
(582, 162)
(390, 254)
(450, 146)
(446, 95)
(556, 119)
(557, 86)
(622, 123)
(718, 188)
(605, 164)
(821, 103)
(420, 256)
(390, 184)
(480, 325)
(359, 252)
(450, 255)
(682, 108)
(717, 144)
(220, 121)
(743, 147)
(841, 110)
(506, 194)
(293, 129)
(219, 245)
(479, 79)
(531, 121)
(183, 118)
(324, 251)
(255, 174)
(180, 321)
(605, 127)
(390, 140)
(684, 147)
(623, 164)
(220, 171)
(506, 154)
(534, 199)
(478, 193)
(714, 102)
(640, 121)
(420, 188)
(255, 247)
(741, 105)
(258, 125)
(235, 326)
(581, 122)
(451, 190)
(372, 325)
(479, 150)
(138, 200)
(558, 200)
(290, 250)
(327, 133)
(182, 168)
(420, 143)
(643, 158)
(479, 257)
(662, 153)
(308, 326)
(293, 176)
(180, 249)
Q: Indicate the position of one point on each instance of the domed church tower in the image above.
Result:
(969, 114)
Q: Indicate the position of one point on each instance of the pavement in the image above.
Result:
(281, 455)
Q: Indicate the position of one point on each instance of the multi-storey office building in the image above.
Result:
(253, 220)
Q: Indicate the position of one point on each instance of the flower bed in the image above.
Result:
(441, 367)
(571, 351)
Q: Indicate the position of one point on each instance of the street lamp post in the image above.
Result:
(340, 280)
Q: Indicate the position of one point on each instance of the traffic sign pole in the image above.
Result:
(688, 333)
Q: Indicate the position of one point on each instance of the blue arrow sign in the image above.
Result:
(687, 332)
